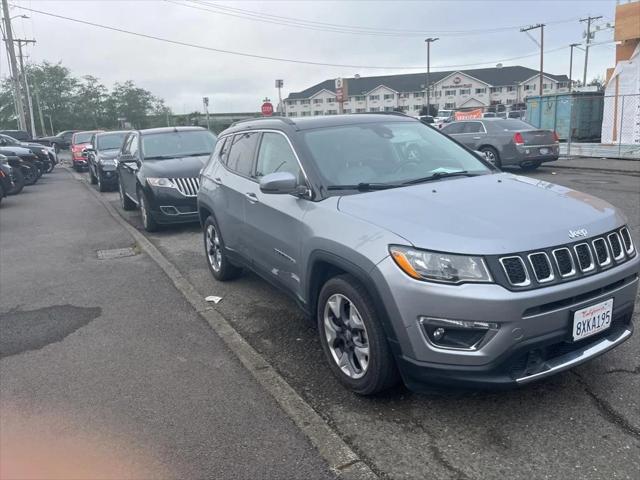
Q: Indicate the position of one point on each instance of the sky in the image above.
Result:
(387, 34)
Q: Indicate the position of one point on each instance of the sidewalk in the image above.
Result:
(631, 167)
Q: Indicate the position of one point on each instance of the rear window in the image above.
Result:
(82, 137)
(510, 125)
(111, 141)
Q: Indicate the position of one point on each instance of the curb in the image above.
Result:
(341, 459)
(593, 169)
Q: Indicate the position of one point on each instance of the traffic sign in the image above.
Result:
(267, 109)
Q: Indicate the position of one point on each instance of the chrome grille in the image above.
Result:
(541, 267)
(602, 252)
(564, 262)
(616, 246)
(516, 271)
(187, 186)
(626, 240)
(585, 257)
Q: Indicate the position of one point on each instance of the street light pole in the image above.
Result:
(429, 41)
(586, 48)
(572, 46)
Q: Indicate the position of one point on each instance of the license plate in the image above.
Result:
(544, 151)
(591, 320)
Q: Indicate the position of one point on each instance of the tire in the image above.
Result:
(51, 165)
(56, 148)
(101, 186)
(530, 167)
(30, 175)
(125, 202)
(341, 336)
(149, 224)
(92, 177)
(219, 264)
(492, 156)
(18, 182)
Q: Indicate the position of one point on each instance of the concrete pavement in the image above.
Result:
(598, 164)
(105, 366)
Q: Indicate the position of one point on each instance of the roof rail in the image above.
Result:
(286, 120)
(401, 114)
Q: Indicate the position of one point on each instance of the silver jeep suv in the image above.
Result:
(415, 257)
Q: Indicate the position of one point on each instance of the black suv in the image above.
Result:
(159, 170)
(61, 141)
(101, 156)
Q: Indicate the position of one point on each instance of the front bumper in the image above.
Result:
(108, 176)
(169, 206)
(533, 339)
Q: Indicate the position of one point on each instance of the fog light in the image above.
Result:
(457, 334)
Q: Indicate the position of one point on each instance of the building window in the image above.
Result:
(528, 87)
(331, 99)
(495, 89)
(374, 109)
(563, 84)
(305, 102)
(347, 110)
(450, 106)
(388, 109)
(510, 101)
(361, 110)
(305, 114)
(465, 91)
(418, 94)
(332, 112)
(317, 100)
(389, 96)
(361, 98)
(481, 90)
(293, 114)
(450, 93)
(292, 102)
(317, 112)
(496, 102)
(511, 89)
(374, 97)
(417, 107)
(547, 86)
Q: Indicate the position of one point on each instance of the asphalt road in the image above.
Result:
(581, 424)
(102, 361)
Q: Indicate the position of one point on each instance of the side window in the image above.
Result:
(275, 155)
(215, 155)
(453, 128)
(473, 127)
(240, 157)
(133, 145)
(126, 145)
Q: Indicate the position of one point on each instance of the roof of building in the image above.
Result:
(414, 82)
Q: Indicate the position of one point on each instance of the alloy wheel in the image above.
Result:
(346, 336)
(214, 249)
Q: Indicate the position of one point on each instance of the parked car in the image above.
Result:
(25, 160)
(506, 141)
(415, 258)
(101, 157)
(159, 170)
(45, 156)
(517, 114)
(489, 115)
(20, 135)
(6, 177)
(80, 141)
(61, 141)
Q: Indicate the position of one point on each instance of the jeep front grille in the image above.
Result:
(566, 262)
(187, 186)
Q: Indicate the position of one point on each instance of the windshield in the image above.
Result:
(178, 144)
(111, 141)
(9, 140)
(83, 137)
(389, 153)
(444, 113)
(511, 125)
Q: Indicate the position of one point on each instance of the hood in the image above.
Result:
(175, 167)
(11, 150)
(488, 214)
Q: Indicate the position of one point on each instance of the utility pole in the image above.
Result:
(541, 27)
(14, 66)
(586, 49)
(205, 103)
(20, 42)
(573, 45)
(429, 41)
(44, 130)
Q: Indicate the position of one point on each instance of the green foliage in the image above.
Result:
(81, 103)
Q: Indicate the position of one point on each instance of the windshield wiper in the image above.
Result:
(439, 175)
(202, 154)
(363, 187)
(160, 157)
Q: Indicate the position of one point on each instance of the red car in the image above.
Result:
(79, 142)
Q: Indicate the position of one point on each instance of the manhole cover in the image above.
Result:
(116, 253)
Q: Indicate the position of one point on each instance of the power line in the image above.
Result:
(336, 28)
(266, 57)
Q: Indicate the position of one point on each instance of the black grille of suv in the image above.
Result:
(515, 270)
(563, 263)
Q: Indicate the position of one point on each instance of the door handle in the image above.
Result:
(217, 180)
(476, 138)
(251, 197)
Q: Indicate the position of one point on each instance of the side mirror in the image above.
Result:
(280, 183)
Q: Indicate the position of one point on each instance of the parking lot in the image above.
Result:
(584, 423)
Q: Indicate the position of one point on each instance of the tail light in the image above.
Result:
(517, 139)
(556, 138)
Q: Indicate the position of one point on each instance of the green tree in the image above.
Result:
(90, 104)
(133, 103)
(57, 88)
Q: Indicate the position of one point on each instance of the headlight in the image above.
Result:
(107, 162)
(440, 267)
(160, 182)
